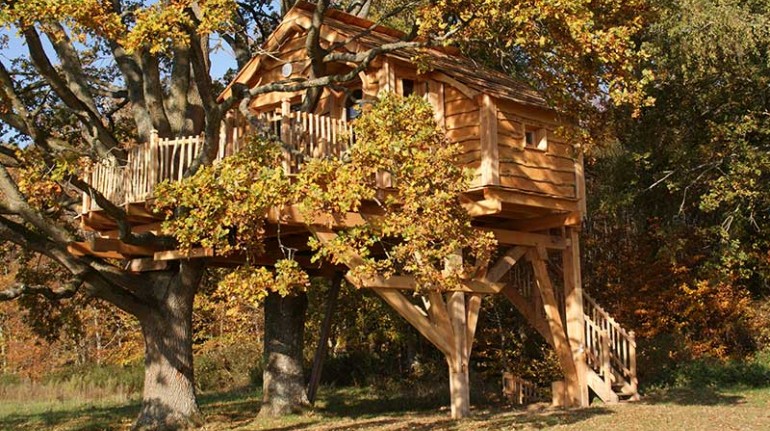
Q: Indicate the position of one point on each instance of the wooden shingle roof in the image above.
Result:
(446, 60)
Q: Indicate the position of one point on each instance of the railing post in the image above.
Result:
(286, 134)
(86, 196)
(605, 359)
(154, 162)
(632, 364)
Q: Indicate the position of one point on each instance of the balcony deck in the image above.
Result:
(306, 136)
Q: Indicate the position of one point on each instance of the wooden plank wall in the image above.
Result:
(463, 126)
(550, 172)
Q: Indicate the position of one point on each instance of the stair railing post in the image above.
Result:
(632, 364)
(605, 359)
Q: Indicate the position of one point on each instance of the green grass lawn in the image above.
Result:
(368, 409)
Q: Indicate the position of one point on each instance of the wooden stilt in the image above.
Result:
(459, 383)
(449, 325)
(573, 300)
(560, 341)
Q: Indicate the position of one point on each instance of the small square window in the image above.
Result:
(536, 138)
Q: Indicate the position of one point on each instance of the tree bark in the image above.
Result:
(284, 384)
(169, 401)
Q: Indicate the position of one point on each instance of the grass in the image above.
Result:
(348, 409)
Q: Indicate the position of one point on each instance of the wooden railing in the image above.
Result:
(168, 159)
(610, 349)
(519, 391)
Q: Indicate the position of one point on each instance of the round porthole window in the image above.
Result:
(287, 70)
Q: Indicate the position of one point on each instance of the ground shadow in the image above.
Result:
(74, 419)
(693, 396)
(341, 404)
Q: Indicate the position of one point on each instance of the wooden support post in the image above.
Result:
(573, 300)
(449, 326)
(580, 185)
(436, 99)
(560, 343)
(490, 159)
(472, 308)
(286, 134)
(459, 383)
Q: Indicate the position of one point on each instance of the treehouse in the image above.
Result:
(528, 190)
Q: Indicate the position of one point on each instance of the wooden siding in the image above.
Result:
(551, 171)
(462, 122)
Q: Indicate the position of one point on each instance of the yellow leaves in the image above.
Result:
(422, 222)
(155, 27)
(158, 27)
(93, 16)
(225, 204)
(162, 25)
(249, 284)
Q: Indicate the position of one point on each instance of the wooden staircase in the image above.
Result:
(609, 350)
(610, 355)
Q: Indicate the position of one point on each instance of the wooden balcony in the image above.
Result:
(163, 159)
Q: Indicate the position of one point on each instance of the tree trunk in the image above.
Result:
(169, 401)
(284, 384)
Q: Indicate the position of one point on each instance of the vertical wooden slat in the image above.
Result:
(490, 159)
(285, 133)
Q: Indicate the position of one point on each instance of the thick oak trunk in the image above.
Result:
(284, 384)
(169, 401)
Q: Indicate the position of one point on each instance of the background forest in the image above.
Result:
(676, 246)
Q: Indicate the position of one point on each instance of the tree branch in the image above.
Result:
(68, 290)
(87, 117)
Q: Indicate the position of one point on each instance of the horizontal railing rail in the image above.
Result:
(610, 349)
(303, 136)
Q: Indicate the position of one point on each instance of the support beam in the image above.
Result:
(561, 343)
(459, 382)
(116, 245)
(505, 263)
(84, 249)
(512, 237)
(490, 158)
(573, 301)
(546, 222)
(482, 207)
(529, 309)
(450, 327)
(323, 338)
(473, 307)
(193, 253)
(146, 265)
(409, 311)
(437, 311)
(407, 282)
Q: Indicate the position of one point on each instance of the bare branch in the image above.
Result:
(88, 117)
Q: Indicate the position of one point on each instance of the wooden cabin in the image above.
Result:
(528, 190)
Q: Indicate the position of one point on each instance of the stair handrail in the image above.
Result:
(621, 352)
(606, 316)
